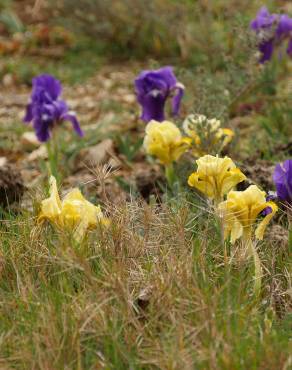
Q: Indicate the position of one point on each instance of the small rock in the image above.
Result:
(3, 161)
(97, 154)
(11, 185)
(7, 80)
(259, 173)
(129, 98)
(113, 194)
(114, 163)
(147, 181)
(29, 141)
(143, 299)
(107, 83)
(29, 176)
(40, 153)
(278, 235)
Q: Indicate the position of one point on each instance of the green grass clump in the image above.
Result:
(152, 291)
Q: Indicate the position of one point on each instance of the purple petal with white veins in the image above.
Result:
(284, 26)
(283, 180)
(266, 48)
(153, 108)
(263, 20)
(176, 100)
(28, 114)
(47, 83)
(42, 129)
(71, 117)
(152, 90)
(289, 49)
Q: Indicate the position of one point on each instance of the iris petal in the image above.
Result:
(45, 109)
(152, 90)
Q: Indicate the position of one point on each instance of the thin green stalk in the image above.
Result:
(53, 156)
(248, 243)
(170, 175)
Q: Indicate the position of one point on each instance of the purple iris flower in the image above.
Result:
(283, 180)
(46, 110)
(272, 30)
(153, 88)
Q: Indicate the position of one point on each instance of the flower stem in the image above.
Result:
(257, 265)
(170, 175)
(53, 157)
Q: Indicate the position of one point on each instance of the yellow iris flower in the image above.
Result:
(240, 211)
(206, 134)
(164, 141)
(73, 213)
(215, 176)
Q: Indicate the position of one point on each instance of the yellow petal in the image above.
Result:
(76, 207)
(90, 216)
(51, 207)
(259, 233)
(220, 173)
(242, 208)
(238, 207)
(231, 224)
(214, 166)
(257, 201)
(164, 141)
(234, 177)
(179, 148)
(72, 207)
(74, 194)
(203, 183)
(75, 213)
(227, 134)
(236, 231)
(80, 230)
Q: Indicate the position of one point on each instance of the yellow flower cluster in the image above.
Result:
(206, 134)
(165, 141)
(74, 212)
(216, 177)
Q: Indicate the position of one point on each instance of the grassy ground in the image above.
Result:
(157, 289)
(153, 291)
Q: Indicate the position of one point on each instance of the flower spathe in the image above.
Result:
(164, 141)
(46, 110)
(215, 176)
(240, 212)
(272, 30)
(283, 180)
(153, 88)
(73, 213)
